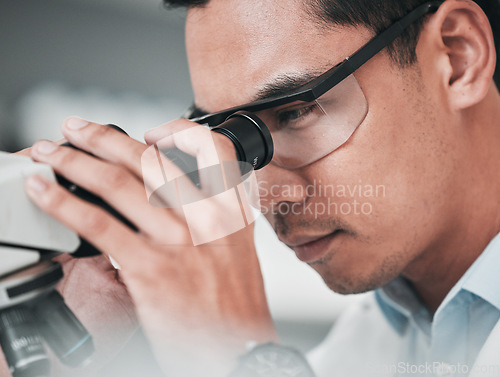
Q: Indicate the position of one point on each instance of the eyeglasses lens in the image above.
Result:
(304, 132)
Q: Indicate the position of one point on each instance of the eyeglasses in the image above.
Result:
(320, 116)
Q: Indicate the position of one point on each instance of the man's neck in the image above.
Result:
(477, 221)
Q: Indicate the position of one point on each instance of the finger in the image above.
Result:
(198, 141)
(27, 151)
(162, 139)
(209, 148)
(187, 136)
(114, 184)
(105, 143)
(90, 222)
(184, 134)
(154, 135)
(116, 147)
(166, 184)
(5, 369)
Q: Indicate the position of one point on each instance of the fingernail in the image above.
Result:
(75, 123)
(45, 147)
(36, 183)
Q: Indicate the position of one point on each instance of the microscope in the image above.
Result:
(33, 314)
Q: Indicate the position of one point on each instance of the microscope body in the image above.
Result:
(25, 231)
(32, 313)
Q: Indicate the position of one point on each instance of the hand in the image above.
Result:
(198, 305)
(93, 291)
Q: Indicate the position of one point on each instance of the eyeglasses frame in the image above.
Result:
(317, 87)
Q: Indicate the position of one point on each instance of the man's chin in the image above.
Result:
(349, 287)
(346, 283)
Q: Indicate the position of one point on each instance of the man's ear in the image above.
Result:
(463, 41)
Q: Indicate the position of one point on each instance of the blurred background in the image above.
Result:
(123, 62)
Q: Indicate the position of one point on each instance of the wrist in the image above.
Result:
(272, 360)
(205, 353)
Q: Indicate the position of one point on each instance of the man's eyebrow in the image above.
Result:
(285, 84)
(279, 86)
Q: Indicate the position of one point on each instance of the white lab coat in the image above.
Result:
(363, 344)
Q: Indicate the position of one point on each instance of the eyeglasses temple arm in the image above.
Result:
(377, 44)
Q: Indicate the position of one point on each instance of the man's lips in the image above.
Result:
(311, 248)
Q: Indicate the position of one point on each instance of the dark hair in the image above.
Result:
(377, 15)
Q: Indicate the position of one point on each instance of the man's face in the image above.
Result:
(382, 201)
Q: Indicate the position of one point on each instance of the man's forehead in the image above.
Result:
(237, 49)
(251, 15)
(231, 29)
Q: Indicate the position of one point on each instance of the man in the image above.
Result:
(419, 118)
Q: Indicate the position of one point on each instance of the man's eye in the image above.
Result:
(294, 117)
